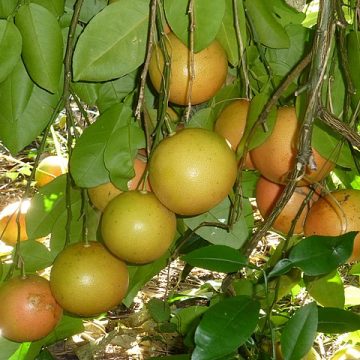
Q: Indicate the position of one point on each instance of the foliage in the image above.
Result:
(97, 54)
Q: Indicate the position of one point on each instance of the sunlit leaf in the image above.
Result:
(7, 348)
(109, 48)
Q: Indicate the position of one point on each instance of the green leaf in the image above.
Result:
(268, 30)
(172, 357)
(318, 255)
(10, 48)
(337, 321)
(120, 152)
(207, 17)
(87, 164)
(225, 327)
(219, 214)
(204, 118)
(112, 92)
(21, 352)
(299, 333)
(331, 145)
(25, 109)
(281, 267)
(227, 32)
(140, 275)
(35, 255)
(159, 310)
(327, 290)
(7, 348)
(109, 48)
(87, 92)
(353, 52)
(56, 7)
(185, 318)
(219, 258)
(46, 207)
(7, 7)
(42, 46)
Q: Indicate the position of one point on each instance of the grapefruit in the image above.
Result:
(192, 171)
(137, 228)
(49, 168)
(210, 71)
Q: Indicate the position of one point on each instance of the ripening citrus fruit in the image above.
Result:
(348, 352)
(276, 157)
(231, 125)
(192, 171)
(210, 71)
(101, 195)
(268, 193)
(49, 168)
(137, 228)
(334, 214)
(28, 310)
(8, 224)
(86, 279)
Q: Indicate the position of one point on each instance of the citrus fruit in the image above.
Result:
(334, 214)
(348, 352)
(210, 70)
(137, 228)
(49, 168)
(267, 195)
(231, 125)
(86, 279)
(192, 171)
(28, 310)
(102, 194)
(276, 157)
(8, 223)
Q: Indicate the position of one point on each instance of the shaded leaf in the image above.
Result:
(225, 327)
(353, 52)
(219, 236)
(7, 348)
(25, 109)
(227, 31)
(318, 255)
(56, 7)
(217, 258)
(184, 318)
(10, 48)
(36, 255)
(159, 310)
(109, 48)
(42, 46)
(337, 321)
(207, 16)
(299, 333)
(268, 30)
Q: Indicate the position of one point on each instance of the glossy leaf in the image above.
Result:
(42, 47)
(299, 333)
(317, 255)
(109, 48)
(337, 321)
(121, 150)
(268, 30)
(207, 17)
(219, 236)
(87, 164)
(227, 33)
(225, 327)
(217, 258)
(25, 109)
(327, 290)
(10, 48)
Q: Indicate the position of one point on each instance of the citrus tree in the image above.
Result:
(189, 130)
